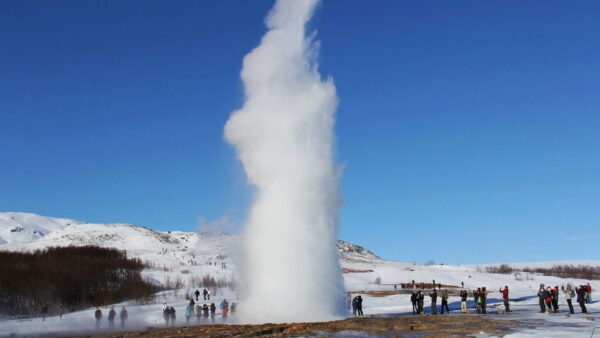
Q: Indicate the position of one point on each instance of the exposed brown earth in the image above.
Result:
(346, 270)
(412, 326)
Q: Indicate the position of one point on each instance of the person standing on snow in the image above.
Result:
(483, 296)
(197, 293)
(359, 306)
(123, 316)
(188, 313)
(172, 315)
(224, 306)
(569, 294)
(111, 317)
(98, 315)
(463, 301)
(213, 309)
(204, 293)
(542, 296)
(477, 298)
(555, 299)
(348, 300)
(548, 298)
(421, 301)
(413, 300)
(581, 297)
(445, 301)
(44, 311)
(355, 306)
(433, 296)
(504, 292)
(589, 293)
(166, 315)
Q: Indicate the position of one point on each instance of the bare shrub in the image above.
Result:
(502, 268)
(568, 271)
(74, 277)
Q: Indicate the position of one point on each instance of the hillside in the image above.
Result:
(181, 259)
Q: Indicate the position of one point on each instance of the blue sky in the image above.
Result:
(468, 129)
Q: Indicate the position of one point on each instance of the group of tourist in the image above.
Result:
(205, 293)
(418, 299)
(202, 311)
(548, 297)
(111, 317)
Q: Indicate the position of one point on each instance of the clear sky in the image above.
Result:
(469, 130)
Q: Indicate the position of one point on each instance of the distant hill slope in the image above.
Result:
(26, 231)
(169, 253)
(21, 227)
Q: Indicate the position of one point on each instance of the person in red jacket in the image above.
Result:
(589, 293)
(504, 292)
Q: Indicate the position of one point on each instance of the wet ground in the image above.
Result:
(412, 327)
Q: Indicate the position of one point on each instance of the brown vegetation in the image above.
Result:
(565, 271)
(346, 270)
(73, 277)
(421, 326)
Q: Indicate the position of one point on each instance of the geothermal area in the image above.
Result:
(287, 274)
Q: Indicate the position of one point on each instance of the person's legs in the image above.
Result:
(583, 309)
(463, 307)
(570, 304)
(433, 308)
(542, 305)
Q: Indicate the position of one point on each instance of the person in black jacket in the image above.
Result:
(463, 301)
(433, 296)
(123, 316)
(581, 293)
(413, 300)
(555, 299)
(542, 298)
(355, 306)
(111, 317)
(359, 305)
(98, 315)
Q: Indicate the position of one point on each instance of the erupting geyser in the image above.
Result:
(284, 138)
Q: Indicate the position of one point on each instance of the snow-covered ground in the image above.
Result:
(183, 256)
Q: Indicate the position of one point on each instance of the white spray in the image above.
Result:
(284, 138)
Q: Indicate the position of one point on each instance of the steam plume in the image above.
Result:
(284, 138)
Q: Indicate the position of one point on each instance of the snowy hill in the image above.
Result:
(182, 259)
(20, 227)
(176, 256)
(173, 255)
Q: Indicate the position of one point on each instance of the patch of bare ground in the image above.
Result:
(346, 270)
(423, 326)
